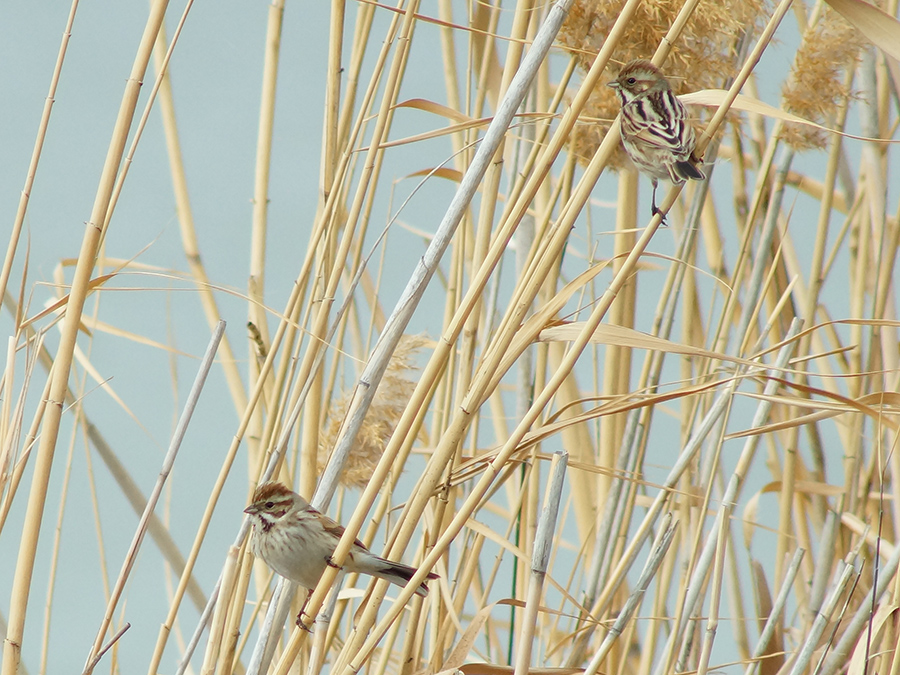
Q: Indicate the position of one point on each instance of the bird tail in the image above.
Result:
(688, 169)
(400, 574)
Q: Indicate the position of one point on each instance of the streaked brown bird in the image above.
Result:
(655, 131)
(297, 541)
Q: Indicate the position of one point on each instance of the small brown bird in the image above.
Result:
(297, 541)
(655, 131)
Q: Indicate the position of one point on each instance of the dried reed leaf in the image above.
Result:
(878, 406)
(455, 664)
(621, 336)
(436, 109)
(103, 327)
(497, 538)
(106, 386)
(772, 657)
(93, 285)
(805, 487)
(437, 133)
(714, 98)
(748, 519)
(439, 172)
(883, 625)
(546, 314)
(878, 26)
(619, 404)
(464, 646)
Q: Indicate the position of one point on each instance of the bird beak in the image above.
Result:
(252, 510)
(613, 84)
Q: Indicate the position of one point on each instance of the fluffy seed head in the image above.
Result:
(702, 58)
(390, 401)
(817, 87)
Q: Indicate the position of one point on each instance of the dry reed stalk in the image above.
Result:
(36, 154)
(546, 526)
(259, 220)
(228, 461)
(54, 557)
(314, 599)
(189, 241)
(166, 469)
(63, 360)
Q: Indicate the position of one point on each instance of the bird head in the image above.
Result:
(637, 79)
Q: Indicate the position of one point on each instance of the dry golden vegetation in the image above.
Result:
(623, 448)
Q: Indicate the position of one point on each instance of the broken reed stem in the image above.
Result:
(543, 541)
(657, 554)
(168, 462)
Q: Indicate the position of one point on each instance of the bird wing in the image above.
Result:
(658, 120)
(333, 527)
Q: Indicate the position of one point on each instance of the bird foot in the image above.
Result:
(301, 624)
(662, 216)
(330, 562)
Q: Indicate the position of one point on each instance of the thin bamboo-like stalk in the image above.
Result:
(395, 326)
(546, 528)
(259, 220)
(332, 95)
(189, 241)
(48, 607)
(275, 616)
(775, 615)
(211, 658)
(712, 623)
(30, 175)
(657, 555)
(822, 618)
(168, 462)
(229, 657)
(63, 361)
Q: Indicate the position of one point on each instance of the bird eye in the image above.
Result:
(631, 80)
(269, 505)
